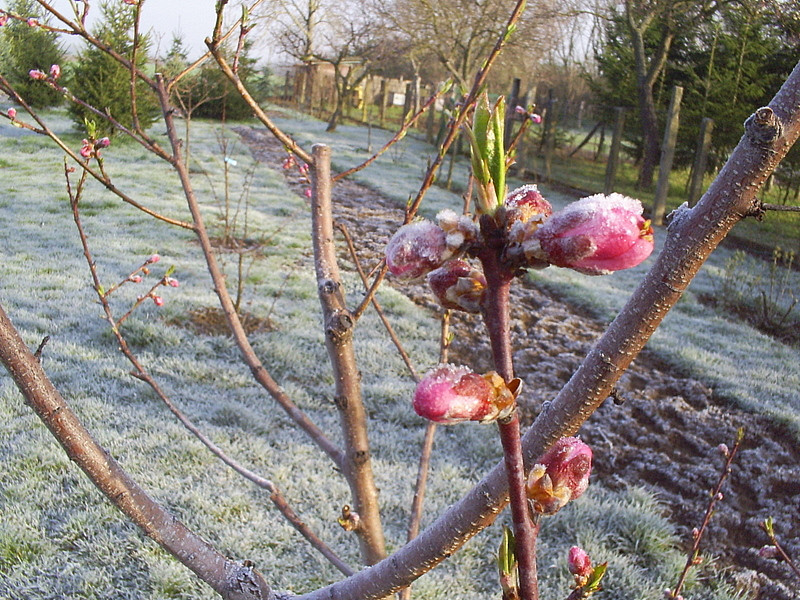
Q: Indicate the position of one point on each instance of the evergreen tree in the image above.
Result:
(102, 82)
(26, 47)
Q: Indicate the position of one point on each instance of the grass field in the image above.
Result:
(60, 539)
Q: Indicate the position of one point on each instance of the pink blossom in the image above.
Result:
(135, 278)
(3, 19)
(152, 259)
(288, 162)
(37, 74)
(103, 142)
(536, 118)
(520, 110)
(449, 394)
(33, 22)
(158, 301)
(597, 235)
(87, 150)
(12, 113)
(171, 282)
(579, 564)
(559, 476)
(416, 249)
(458, 286)
(307, 192)
(55, 71)
(526, 203)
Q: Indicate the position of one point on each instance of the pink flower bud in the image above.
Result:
(135, 278)
(458, 286)
(171, 282)
(103, 142)
(158, 301)
(130, 2)
(33, 22)
(12, 113)
(559, 476)
(448, 394)
(87, 149)
(37, 74)
(307, 192)
(579, 564)
(55, 71)
(536, 118)
(723, 449)
(288, 162)
(520, 110)
(597, 235)
(526, 203)
(3, 19)
(152, 259)
(416, 249)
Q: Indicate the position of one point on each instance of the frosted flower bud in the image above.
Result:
(12, 113)
(597, 235)
(449, 394)
(158, 301)
(416, 249)
(172, 282)
(37, 74)
(459, 229)
(579, 564)
(87, 149)
(103, 142)
(55, 71)
(458, 286)
(723, 449)
(526, 210)
(152, 259)
(135, 278)
(560, 475)
(525, 204)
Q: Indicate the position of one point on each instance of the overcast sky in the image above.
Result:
(193, 19)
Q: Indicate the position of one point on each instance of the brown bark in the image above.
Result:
(232, 580)
(339, 325)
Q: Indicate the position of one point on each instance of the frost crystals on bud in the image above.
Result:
(597, 235)
(416, 249)
(579, 564)
(458, 286)
(559, 476)
(449, 394)
(525, 211)
(459, 229)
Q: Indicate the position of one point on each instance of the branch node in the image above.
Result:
(763, 127)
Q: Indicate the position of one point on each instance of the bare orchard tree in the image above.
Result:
(508, 233)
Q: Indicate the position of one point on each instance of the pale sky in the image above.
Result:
(194, 19)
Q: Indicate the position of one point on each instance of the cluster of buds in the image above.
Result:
(91, 148)
(302, 168)
(452, 394)
(39, 75)
(527, 113)
(559, 476)
(595, 236)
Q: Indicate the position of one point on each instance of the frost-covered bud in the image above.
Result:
(559, 476)
(55, 71)
(12, 113)
(416, 249)
(171, 282)
(37, 74)
(458, 286)
(526, 203)
(526, 211)
(579, 564)
(449, 394)
(723, 449)
(597, 235)
(459, 229)
(158, 301)
(152, 259)
(103, 142)
(135, 279)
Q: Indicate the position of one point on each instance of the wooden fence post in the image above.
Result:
(382, 107)
(700, 160)
(667, 154)
(613, 153)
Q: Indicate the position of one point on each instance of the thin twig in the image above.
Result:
(141, 373)
(779, 207)
(378, 309)
(395, 138)
(716, 495)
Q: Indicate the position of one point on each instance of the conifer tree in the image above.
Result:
(102, 82)
(26, 47)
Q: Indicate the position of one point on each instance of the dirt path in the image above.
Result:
(665, 433)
